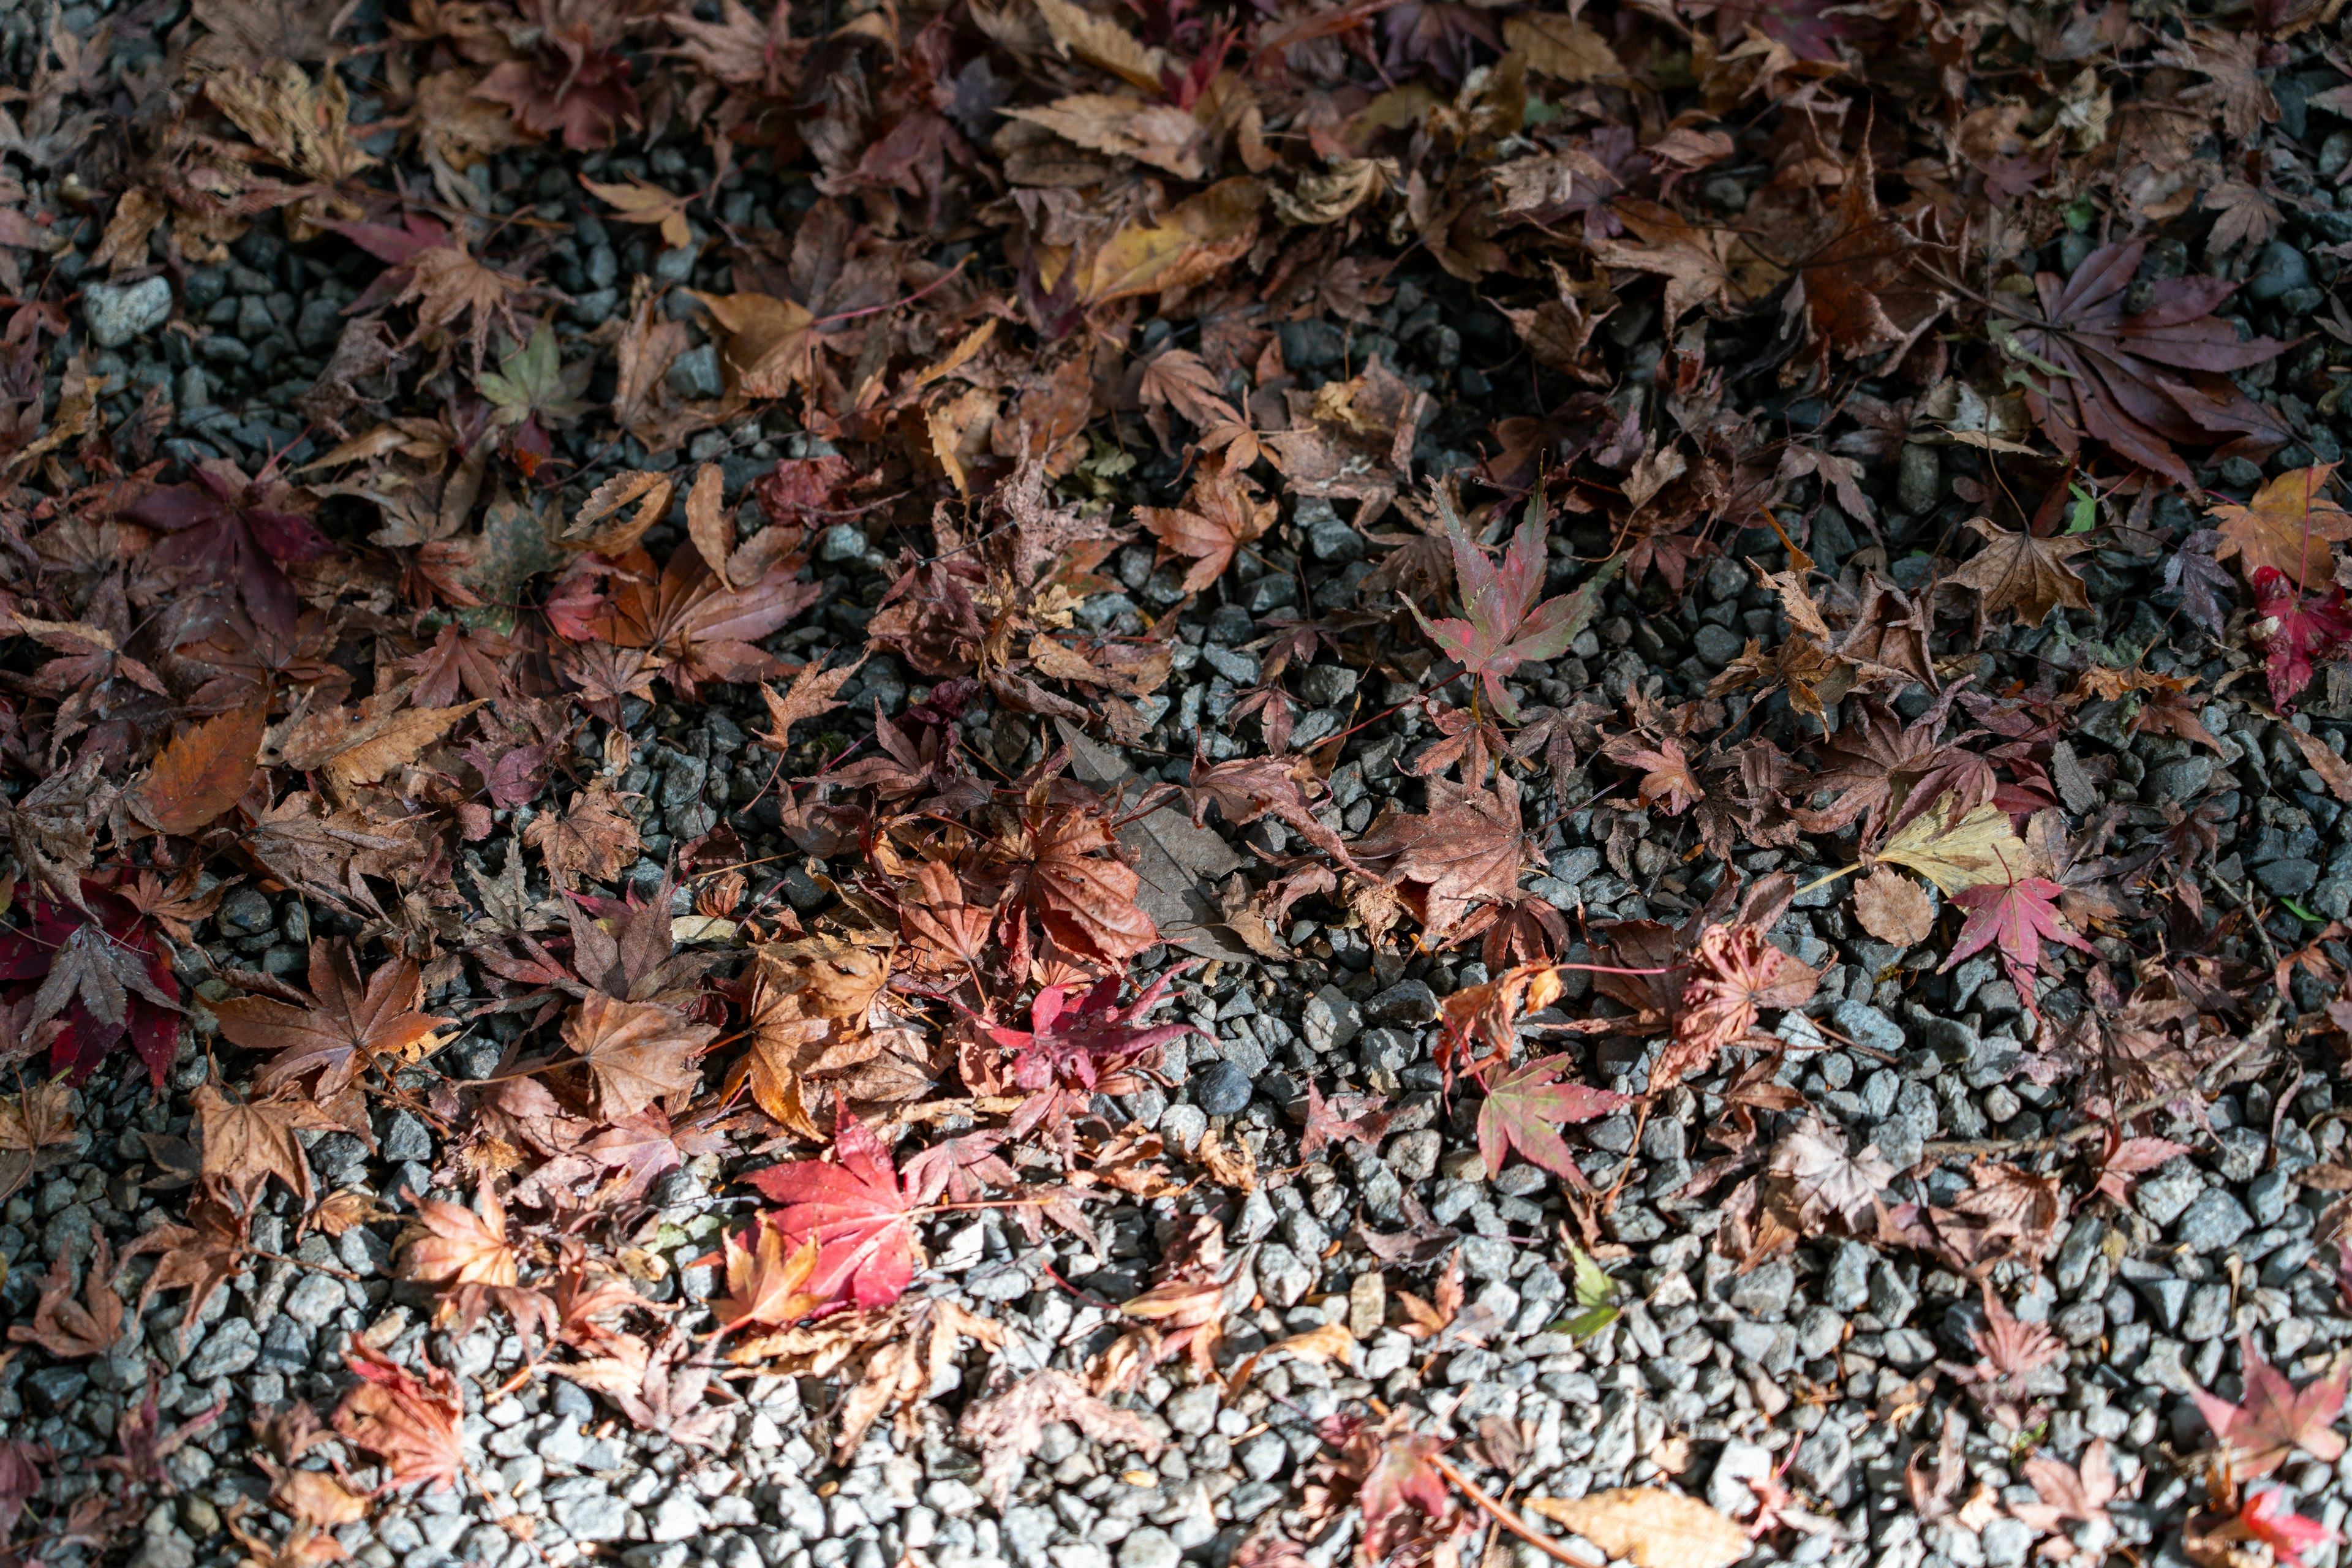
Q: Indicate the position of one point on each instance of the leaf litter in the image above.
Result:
(620, 760)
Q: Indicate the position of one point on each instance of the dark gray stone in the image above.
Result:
(1221, 1089)
(2213, 1222)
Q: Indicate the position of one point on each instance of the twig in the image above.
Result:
(1556, 1551)
(2257, 1038)
(300, 1263)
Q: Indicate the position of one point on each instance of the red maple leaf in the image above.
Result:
(2300, 630)
(229, 525)
(2275, 1417)
(1507, 628)
(854, 1210)
(2129, 1157)
(104, 1000)
(1524, 1108)
(1735, 973)
(2018, 915)
(2268, 1516)
(1067, 1053)
(1392, 1474)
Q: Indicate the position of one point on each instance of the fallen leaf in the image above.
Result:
(348, 1027)
(855, 1208)
(204, 770)
(636, 1052)
(1651, 1527)
(246, 1143)
(2273, 1417)
(1970, 851)
(638, 201)
(1524, 1107)
(2022, 573)
(1006, 1426)
(1893, 909)
(412, 1424)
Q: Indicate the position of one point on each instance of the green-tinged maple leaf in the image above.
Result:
(1525, 1107)
(534, 382)
(1595, 1295)
(1507, 628)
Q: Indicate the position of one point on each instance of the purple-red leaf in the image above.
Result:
(2019, 916)
(1507, 628)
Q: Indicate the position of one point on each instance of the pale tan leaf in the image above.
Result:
(1561, 47)
(1893, 909)
(1651, 1527)
(708, 524)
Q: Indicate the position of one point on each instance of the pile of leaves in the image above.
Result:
(1030, 295)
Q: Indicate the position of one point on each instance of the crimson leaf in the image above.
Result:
(2017, 915)
(2300, 630)
(854, 1210)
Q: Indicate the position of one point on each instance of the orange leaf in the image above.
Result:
(202, 773)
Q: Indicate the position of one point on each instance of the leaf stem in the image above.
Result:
(1511, 1521)
(1825, 881)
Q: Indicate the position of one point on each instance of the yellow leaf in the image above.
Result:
(957, 356)
(1979, 849)
(1322, 1346)
(1195, 238)
(1650, 1527)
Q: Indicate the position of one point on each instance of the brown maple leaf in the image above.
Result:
(71, 1330)
(37, 1128)
(636, 1052)
(465, 1251)
(1666, 772)
(447, 281)
(2287, 525)
(197, 1256)
(571, 76)
(2232, 62)
(1222, 513)
(1457, 866)
(1734, 972)
(348, 1027)
(246, 1143)
(592, 836)
(2023, 573)
(693, 626)
(1060, 866)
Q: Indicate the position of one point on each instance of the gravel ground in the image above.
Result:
(1832, 1364)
